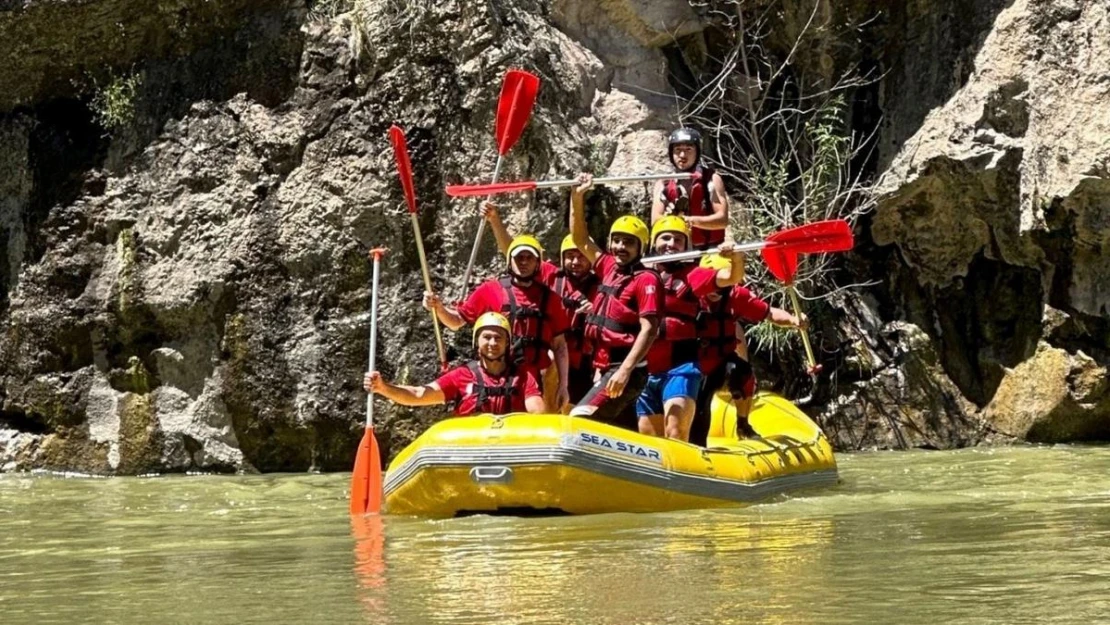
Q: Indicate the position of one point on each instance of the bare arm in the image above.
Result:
(734, 273)
(500, 232)
(785, 319)
(562, 360)
(657, 207)
(427, 395)
(447, 315)
(649, 329)
(578, 230)
(717, 198)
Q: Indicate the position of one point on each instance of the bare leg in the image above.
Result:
(679, 414)
(651, 425)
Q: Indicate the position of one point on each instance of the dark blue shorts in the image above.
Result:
(682, 381)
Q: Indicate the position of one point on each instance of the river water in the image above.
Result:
(1013, 535)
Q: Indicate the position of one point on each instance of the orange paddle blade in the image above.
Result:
(366, 480)
(514, 107)
(404, 165)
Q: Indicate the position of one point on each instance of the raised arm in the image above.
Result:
(658, 208)
(500, 232)
(449, 316)
(734, 273)
(578, 229)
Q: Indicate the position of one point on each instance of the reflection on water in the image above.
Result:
(995, 536)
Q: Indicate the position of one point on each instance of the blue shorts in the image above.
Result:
(682, 381)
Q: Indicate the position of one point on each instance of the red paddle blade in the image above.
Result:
(781, 263)
(781, 253)
(366, 480)
(514, 107)
(470, 190)
(819, 237)
(404, 165)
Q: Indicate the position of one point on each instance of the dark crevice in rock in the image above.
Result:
(65, 143)
(983, 322)
(23, 422)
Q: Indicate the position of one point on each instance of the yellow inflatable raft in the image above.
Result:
(522, 463)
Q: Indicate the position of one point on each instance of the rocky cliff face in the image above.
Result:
(187, 194)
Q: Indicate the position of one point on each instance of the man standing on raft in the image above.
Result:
(701, 202)
(626, 310)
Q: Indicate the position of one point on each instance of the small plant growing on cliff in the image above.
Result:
(113, 105)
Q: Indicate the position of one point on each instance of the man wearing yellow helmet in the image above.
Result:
(666, 404)
(488, 385)
(575, 285)
(723, 353)
(626, 310)
(702, 202)
(536, 315)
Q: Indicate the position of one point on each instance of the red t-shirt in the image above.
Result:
(547, 271)
(684, 287)
(747, 306)
(490, 296)
(571, 297)
(743, 305)
(458, 384)
(644, 295)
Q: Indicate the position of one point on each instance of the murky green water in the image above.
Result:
(979, 536)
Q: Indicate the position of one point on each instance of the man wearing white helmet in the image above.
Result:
(575, 284)
(535, 314)
(490, 384)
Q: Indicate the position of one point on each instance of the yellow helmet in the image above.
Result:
(670, 223)
(633, 226)
(524, 242)
(491, 320)
(715, 261)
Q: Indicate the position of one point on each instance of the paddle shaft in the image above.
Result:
(373, 332)
(573, 182)
(478, 237)
(693, 254)
(811, 362)
(428, 287)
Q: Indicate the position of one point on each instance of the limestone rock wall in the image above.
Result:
(188, 289)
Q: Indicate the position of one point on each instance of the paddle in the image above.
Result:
(468, 190)
(514, 108)
(782, 262)
(404, 170)
(366, 478)
(834, 235)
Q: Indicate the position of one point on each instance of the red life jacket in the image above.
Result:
(493, 399)
(699, 204)
(677, 342)
(717, 328)
(612, 323)
(525, 335)
(680, 322)
(573, 297)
